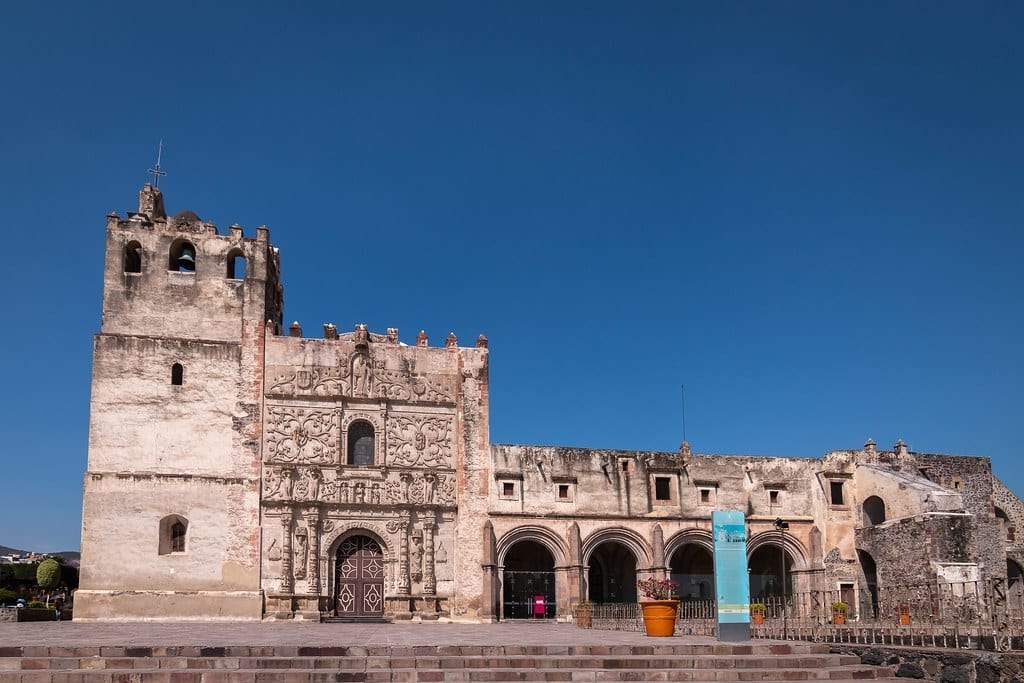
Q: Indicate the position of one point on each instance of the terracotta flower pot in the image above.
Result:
(904, 617)
(758, 617)
(660, 617)
(839, 618)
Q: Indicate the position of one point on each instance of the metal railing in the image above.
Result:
(695, 617)
(983, 615)
(980, 615)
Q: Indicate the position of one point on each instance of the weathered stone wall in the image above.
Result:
(160, 452)
(948, 666)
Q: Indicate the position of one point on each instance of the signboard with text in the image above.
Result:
(732, 583)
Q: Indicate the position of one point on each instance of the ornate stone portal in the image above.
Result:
(398, 506)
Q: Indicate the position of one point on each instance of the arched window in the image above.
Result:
(133, 257)
(874, 511)
(182, 257)
(177, 374)
(236, 266)
(1011, 531)
(360, 443)
(173, 534)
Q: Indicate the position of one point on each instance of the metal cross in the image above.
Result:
(155, 171)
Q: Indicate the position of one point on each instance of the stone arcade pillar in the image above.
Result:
(489, 609)
(287, 580)
(575, 585)
(658, 543)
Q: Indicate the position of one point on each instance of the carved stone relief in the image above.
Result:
(420, 441)
(334, 485)
(358, 375)
(302, 435)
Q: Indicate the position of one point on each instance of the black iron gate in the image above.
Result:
(528, 595)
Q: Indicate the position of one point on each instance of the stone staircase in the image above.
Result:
(668, 662)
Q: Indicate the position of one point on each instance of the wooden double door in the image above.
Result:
(359, 578)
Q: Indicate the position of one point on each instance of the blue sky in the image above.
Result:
(810, 213)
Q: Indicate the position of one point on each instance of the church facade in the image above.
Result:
(241, 470)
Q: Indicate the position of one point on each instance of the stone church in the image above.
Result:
(241, 469)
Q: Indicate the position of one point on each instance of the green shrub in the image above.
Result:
(48, 574)
(7, 597)
(36, 604)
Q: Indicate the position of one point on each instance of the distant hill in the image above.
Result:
(72, 557)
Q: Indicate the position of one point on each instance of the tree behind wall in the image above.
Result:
(48, 576)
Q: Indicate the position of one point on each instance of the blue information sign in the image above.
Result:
(732, 583)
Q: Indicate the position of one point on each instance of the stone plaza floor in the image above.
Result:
(66, 634)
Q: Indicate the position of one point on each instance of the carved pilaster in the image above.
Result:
(313, 529)
(287, 581)
(429, 580)
(404, 580)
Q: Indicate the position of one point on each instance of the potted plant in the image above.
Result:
(757, 610)
(584, 614)
(658, 606)
(839, 612)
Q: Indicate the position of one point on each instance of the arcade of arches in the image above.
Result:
(530, 588)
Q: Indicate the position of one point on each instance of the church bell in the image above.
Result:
(187, 260)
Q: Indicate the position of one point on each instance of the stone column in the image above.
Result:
(489, 610)
(287, 580)
(404, 580)
(429, 580)
(313, 528)
(659, 567)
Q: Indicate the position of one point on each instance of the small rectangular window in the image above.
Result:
(508, 489)
(662, 488)
(563, 491)
(625, 465)
(773, 497)
(705, 495)
(836, 489)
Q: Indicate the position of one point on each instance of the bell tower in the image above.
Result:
(170, 521)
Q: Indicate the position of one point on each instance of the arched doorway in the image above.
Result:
(1014, 574)
(359, 578)
(870, 569)
(766, 572)
(528, 582)
(693, 568)
(611, 575)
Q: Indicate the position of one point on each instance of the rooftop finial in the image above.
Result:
(156, 171)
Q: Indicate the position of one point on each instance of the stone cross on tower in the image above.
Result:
(156, 171)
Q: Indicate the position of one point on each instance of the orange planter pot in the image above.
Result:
(758, 617)
(839, 618)
(660, 617)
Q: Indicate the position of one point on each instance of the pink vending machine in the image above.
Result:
(539, 606)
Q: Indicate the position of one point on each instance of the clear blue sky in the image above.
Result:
(810, 213)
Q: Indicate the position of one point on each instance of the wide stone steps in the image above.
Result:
(431, 664)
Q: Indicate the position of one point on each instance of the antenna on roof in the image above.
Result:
(682, 395)
(156, 171)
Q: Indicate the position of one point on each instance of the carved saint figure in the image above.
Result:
(416, 558)
(314, 484)
(430, 486)
(273, 552)
(287, 481)
(361, 373)
(344, 492)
